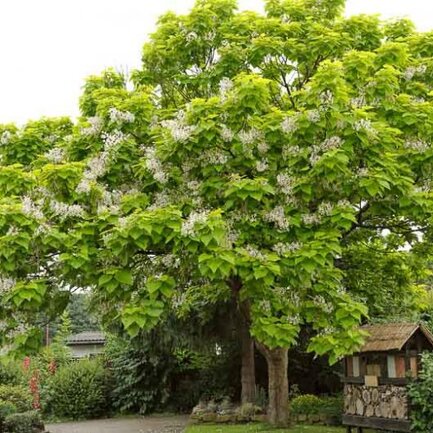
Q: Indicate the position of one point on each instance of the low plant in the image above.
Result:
(17, 395)
(27, 422)
(420, 393)
(77, 391)
(306, 404)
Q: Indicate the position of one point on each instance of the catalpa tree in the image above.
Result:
(254, 158)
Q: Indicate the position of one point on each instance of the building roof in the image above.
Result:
(391, 336)
(88, 337)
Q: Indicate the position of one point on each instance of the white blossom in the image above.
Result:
(5, 138)
(286, 183)
(283, 248)
(250, 136)
(227, 134)
(416, 144)
(326, 98)
(179, 129)
(170, 261)
(64, 210)
(160, 199)
(313, 116)
(6, 284)
(289, 151)
(311, 219)
(254, 252)
(278, 217)
(154, 165)
(262, 165)
(325, 209)
(30, 208)
(178, 300)
(13, 231)
(188, 225)
(262, 147)
(320, 302)
(96, 124)
(118, 116)
(412, 71)
(265, 306)
(225, 86)
(191, 36)
(362, 172)
(358, 102)
(330, 143)
(55, 155)
(364, 125)
(112, 140)
(290, 124)
(215, 157)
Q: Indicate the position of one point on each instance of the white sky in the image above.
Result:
(48, 47)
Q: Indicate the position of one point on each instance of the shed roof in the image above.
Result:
(87, 337)
(391, 336)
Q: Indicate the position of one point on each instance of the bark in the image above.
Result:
(248, 369)
(278, 385)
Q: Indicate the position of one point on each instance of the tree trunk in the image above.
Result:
(248, 369)
(278, 385)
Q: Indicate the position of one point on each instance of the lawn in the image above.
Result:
(260, 428)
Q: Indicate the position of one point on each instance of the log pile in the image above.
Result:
(384, 401)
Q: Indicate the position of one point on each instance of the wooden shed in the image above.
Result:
(375, 379)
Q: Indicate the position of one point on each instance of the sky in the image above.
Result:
(48, 47)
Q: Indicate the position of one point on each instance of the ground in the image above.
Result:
(152, 424)
(261, 428)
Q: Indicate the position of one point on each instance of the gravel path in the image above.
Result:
(151, 424)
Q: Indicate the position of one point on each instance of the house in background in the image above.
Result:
(86, 344)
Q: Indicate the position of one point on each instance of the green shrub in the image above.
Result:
(307, 404)
(77, 390)
(17, 395)
(10, 374)
(421, 396)
(27, 422)
(6, 408)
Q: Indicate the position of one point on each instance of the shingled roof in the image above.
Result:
(391, 336)
(88, 337)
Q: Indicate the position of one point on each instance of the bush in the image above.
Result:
(307, 404)
(78, 390)
(17, 395)
(27, 422)
(10, 374)
(421, 396)
(330, 407)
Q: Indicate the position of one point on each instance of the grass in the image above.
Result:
(260, 428)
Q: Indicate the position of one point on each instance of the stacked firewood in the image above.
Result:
(384, 401)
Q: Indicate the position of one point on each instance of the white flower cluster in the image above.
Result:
(118, 116)
(265, 306)
(286, 183)
(294, 319)
(412, 71)
(311, 219)
(6, 284)
(290, 124)
(160, 199)
(13, 231)
(96, 124)
(170, 261)
(98, 165)
(320, 302)
(325, 209)
(278, 217)
(283, 248)
(110, 201)
(225, 86)
(362, 172)
(191, 36)
(154, 165)
(178, 300)
(64, 210)
(359, 101)
(188, 226)
(5, 138)
(331, 143)
(326, 98)
(56, 155)
(262, 147)
(250, 136)
(232, 237)
(417, 145)
(313, 116)
(227, 134)
(254, 252)
(326, 331)
(179, 129)
(289, 151)
(31, 209)
(215, 157)
(262, 165)
(364, 125)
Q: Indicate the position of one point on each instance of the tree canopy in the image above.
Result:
(271, 158)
